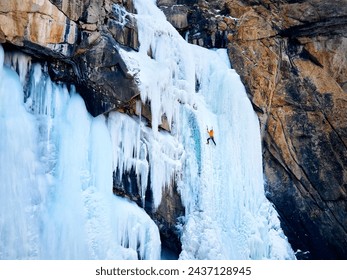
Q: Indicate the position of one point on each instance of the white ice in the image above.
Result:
(56, 199)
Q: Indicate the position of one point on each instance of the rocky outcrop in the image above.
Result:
(296, 75)
(37, 22)
(291, 56)
(166, 215)
(74, 37)
(202, 23)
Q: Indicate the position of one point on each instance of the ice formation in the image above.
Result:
(56, 177)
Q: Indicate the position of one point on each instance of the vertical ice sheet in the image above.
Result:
(56, 199)
(232, 218)
(19, 186)
(227, 214)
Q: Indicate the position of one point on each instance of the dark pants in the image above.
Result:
(208, 139)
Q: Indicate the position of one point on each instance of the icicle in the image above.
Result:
(157, 156)
(2, 57)
(56, 199)
(20, 172)
(20, 63)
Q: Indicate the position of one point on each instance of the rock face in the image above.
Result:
(204, 23)
(296, 76)
(74, 37)
(292, 58)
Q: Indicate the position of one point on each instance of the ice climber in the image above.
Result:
(210, 133)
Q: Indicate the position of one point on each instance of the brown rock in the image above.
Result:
(76, 35)
(73, 9)
(38, 22)
(295, 80)
(222, 26)
(177, 15)
(331, 53)
(253, 26)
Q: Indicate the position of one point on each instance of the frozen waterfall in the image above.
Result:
(56, 160)
(56, 198)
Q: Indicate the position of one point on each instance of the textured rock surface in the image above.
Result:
(291, 56)
(204, 23)
(37, 22)
(74, 37)
(296, 75)
(167, 217)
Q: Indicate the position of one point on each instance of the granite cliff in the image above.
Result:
(291, 56)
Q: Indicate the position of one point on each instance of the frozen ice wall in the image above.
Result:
(227, 214)
(229, 217)
(56, 199)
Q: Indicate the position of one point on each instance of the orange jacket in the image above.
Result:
(211, 133)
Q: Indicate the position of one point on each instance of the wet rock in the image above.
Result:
(167, 217)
